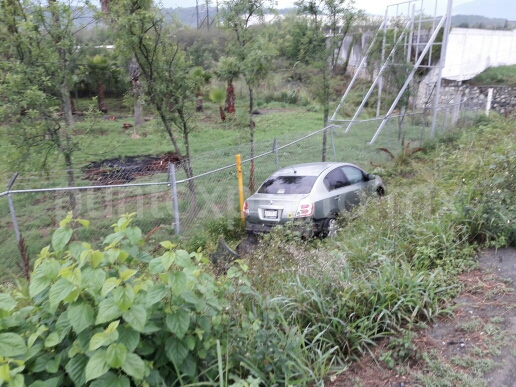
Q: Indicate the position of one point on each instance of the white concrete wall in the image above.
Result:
(470, 51)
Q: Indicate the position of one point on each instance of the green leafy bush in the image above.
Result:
(90, 317)
(121, 317)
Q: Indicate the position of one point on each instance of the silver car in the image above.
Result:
(312, 195)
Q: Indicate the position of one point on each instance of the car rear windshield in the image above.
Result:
(288, 185)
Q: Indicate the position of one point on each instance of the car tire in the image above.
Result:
(380, 191)
(330, 227)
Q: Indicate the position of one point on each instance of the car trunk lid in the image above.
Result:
(273, 208)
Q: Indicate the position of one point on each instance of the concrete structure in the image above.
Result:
(471, 51)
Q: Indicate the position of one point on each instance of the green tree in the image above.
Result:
(228, 70)
(253, 51)
(200, 78)
(217, 96)
(97, 71)
(39, 55)
(328, 23)
(165, 73)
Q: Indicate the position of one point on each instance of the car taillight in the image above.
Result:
(246, 208)
(305, 209)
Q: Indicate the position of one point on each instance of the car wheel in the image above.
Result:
(380, 191)
(330, 227)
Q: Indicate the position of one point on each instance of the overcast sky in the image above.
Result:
(371, 6)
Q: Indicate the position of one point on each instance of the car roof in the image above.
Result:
(307, 169)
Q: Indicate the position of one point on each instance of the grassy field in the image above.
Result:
(443, 206)
(392, 270)
(214, 144)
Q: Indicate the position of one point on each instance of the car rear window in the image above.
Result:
(288, 185)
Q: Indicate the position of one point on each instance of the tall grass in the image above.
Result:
(395, 262)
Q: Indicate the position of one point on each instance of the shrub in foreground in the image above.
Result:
(119, 317)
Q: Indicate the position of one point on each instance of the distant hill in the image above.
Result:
(188, 15)
(503, 9)
(476, 21)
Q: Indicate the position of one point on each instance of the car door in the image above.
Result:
(337, 185)
(357, 185)
(328, 202)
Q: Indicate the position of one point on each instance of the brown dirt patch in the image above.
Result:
(482, 329)
(122, 170)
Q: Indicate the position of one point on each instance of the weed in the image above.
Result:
(440, 373)
(471, 326)
(402, 347)
(477, 366)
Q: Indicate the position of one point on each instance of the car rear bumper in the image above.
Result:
(305, 226)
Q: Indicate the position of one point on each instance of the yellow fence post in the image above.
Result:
(240, 186)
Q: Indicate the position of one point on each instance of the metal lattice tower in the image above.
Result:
(202, 10)
(409, 38)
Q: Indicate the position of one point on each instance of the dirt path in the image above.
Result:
(503, 264)
(476, 347)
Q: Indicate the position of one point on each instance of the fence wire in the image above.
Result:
(206, 184)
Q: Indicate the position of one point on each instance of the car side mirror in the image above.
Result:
(370, 177)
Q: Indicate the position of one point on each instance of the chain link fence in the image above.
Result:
(168, 202)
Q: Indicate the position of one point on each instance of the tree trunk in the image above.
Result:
(67, 149)
(71, 182)
(222, 114)
(230, 98)
(101, 99)
(104, 6)
(72, 105)
(187, 167)
(66, 100)
(324, 141)
(134, 72)
(251, 141)
(138, 113)
(199, 103)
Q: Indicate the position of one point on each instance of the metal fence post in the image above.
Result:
(11, 208)
(333, 144)
(172, 176)
(275, 150)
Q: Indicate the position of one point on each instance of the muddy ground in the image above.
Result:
(475, 347)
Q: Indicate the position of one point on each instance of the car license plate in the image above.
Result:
(271, 213)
